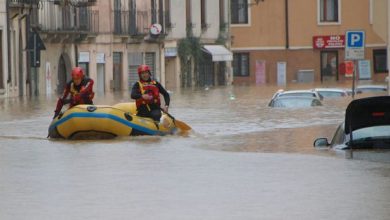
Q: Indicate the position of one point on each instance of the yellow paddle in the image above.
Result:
(180, 124)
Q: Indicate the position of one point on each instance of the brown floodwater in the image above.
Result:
(243, 160)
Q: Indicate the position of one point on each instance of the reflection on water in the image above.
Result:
(244, 160)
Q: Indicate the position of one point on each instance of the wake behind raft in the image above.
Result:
(104, 121)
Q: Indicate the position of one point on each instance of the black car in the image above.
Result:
(366, 126)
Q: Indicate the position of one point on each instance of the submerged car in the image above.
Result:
(366, 126)
(302, 93)
(331, 92)
(371, 88)
(294, 102)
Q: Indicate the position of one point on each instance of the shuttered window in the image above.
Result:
(239, 11)
(329, 10)
(241, 64)
(134, 60)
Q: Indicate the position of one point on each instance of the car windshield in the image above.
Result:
(296, 103)
(331, 93)
(372, 137)
(372, 89)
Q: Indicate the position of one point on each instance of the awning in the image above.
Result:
(218, 52)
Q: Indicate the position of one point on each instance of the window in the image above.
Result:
(203, 14)
(117, 17)
(241, 64)
(380, 61)
(188, 13)
(329, 66)
(168, 23)
(239, 11)
(222, 12)
(85, 67)
(329, 10)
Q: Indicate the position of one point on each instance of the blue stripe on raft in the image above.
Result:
(109, 116)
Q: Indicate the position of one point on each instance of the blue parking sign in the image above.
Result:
(355, 39)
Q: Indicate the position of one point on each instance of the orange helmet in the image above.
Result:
(77, 73)
(143, 68)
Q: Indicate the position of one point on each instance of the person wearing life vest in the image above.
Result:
(79, 89)
(146, 93)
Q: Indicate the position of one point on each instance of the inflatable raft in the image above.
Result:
(108, 121)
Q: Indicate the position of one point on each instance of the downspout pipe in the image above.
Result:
(388, 45)
(8, 42)
(286, 24)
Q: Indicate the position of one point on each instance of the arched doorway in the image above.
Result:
(63, 76)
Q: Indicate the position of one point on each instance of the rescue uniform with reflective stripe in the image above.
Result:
(79, 94)
(149, 108)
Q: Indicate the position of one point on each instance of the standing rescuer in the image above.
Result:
(146, 92)
(79, 89)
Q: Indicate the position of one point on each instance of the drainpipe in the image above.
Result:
(388, 45)
(229, 43)
(8, 42)
(286, 24)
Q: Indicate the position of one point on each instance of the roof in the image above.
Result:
(367, 112)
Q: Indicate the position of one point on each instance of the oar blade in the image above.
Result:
(182, 125)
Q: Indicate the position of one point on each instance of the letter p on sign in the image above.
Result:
(355, 39)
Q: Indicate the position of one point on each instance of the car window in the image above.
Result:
(377, 131)
(332, 94)
(304, 94)
(339, 135)
(371, 89)
(296, 102)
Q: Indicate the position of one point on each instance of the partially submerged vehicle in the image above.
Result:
(294, 102)
(366, 126)
(303, 93)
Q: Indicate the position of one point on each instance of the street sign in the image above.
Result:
(354, 45)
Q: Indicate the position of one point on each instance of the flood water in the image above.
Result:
(243, 160)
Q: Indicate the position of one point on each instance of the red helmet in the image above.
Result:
(143, 68)
(77, 73)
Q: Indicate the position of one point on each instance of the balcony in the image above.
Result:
(65, 23)
(136, 24)
(22, 3)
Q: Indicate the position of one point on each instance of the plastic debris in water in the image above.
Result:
(232, 96)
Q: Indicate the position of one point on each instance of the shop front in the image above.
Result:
(331, 49)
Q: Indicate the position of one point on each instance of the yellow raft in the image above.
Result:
(111, 121)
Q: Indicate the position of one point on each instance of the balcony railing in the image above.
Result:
(138, 22)
(20, 3)
(66, 19)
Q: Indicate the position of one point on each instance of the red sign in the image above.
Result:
(328, 42)
(346, 68)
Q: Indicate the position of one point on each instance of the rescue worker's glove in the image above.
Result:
(76, 99)
(56, 113)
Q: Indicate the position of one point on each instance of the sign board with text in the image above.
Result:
(354, 45)
(328, 41)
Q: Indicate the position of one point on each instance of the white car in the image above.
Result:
(371, 88)
(304, 93)
(294, 102)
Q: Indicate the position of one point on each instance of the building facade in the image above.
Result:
(3, 48)
(282, 41)
(109, 39)
(14, 78)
